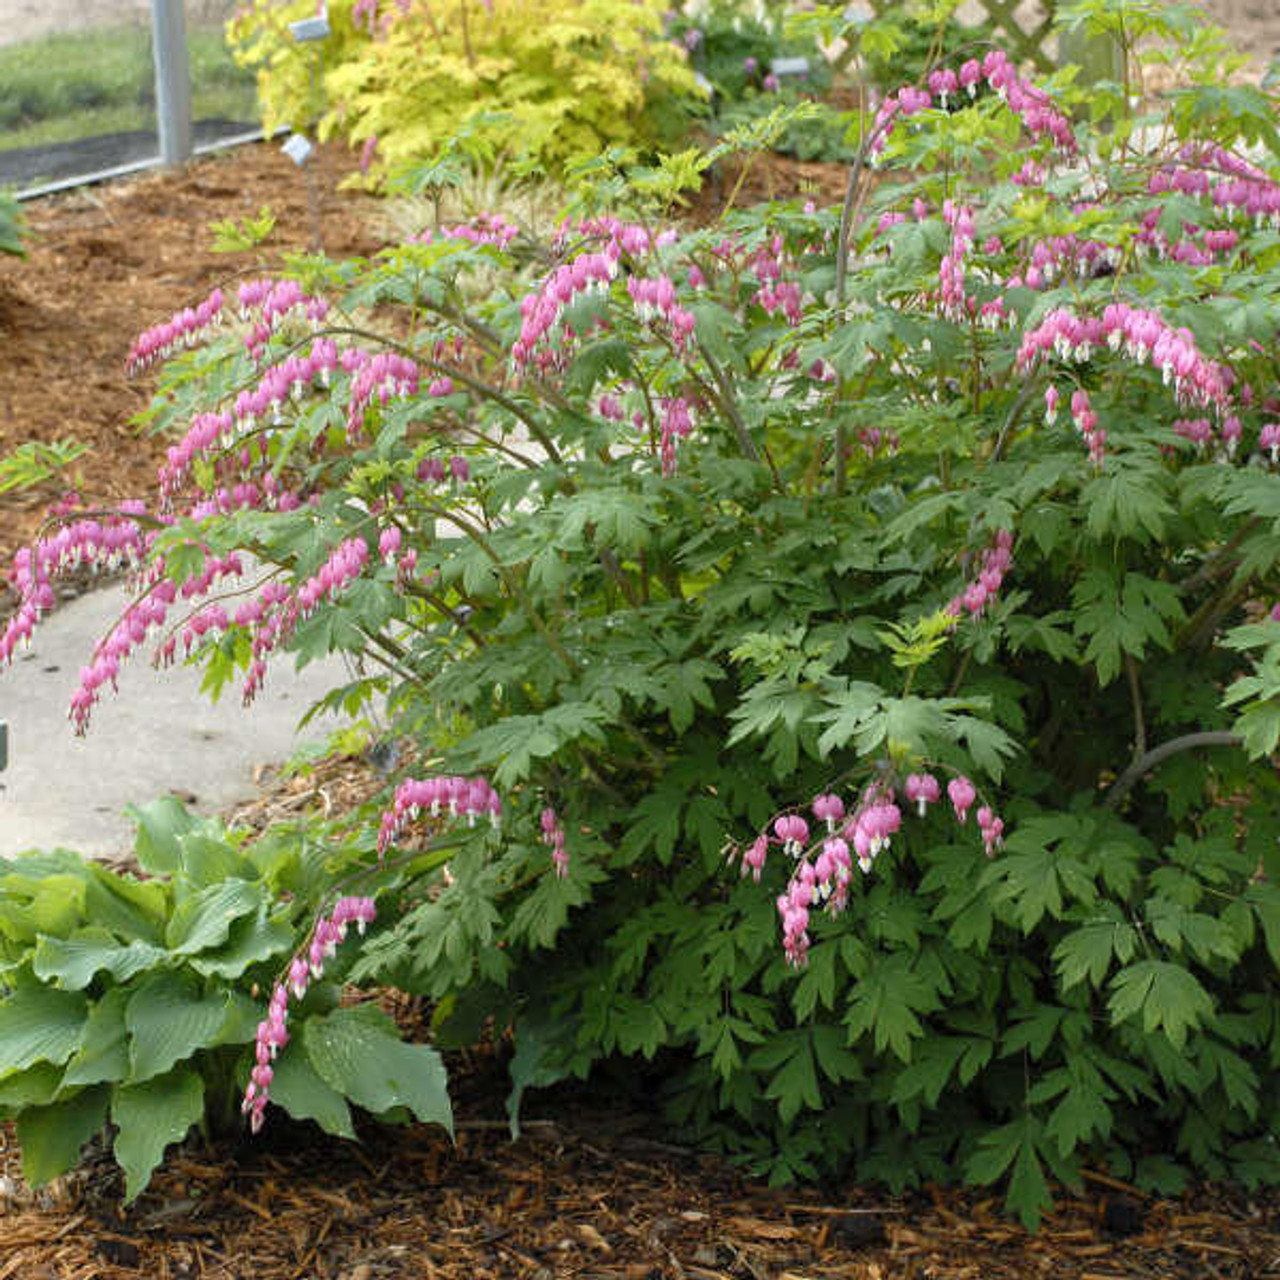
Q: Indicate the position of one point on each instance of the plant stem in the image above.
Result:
(1135, 694)
(1157, 755)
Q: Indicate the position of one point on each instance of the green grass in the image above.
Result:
(74, 85)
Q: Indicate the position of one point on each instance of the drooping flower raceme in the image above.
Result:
(305, 967)
(451, 797)
(821, 873)
(553, 837)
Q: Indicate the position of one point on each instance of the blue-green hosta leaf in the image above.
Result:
(40, 1024)
(204, 920)
(72, 963)
(103, 1055)
(129, 908)
(252, 940)
(208, 857)
(159, 824)
(169, 1019)
(34, 1087)
(51, 1137)
(358, 1052)
(298, 1088)
(33, 904)
(148, 1117)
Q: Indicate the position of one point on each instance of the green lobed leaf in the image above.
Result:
(1169, 997)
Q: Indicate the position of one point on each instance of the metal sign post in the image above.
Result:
(173, 80)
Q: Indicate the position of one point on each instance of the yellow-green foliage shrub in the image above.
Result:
(551, 78)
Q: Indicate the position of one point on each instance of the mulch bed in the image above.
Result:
(587, 1191)
(106, 262)
(589, 1195)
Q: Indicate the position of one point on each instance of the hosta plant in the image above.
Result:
(865, 616)
(133, 1003)
(543, 78)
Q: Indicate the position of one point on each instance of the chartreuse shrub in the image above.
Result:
(916, 558)
(544, 78)
(132, 1002)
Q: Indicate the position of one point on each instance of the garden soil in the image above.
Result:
(590, 1190)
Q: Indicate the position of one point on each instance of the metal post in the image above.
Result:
(173, 80)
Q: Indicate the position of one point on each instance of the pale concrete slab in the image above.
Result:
(158, 735)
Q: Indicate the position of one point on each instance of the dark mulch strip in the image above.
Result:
(586, 1194)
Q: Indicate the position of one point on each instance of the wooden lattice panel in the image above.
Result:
(1023, 27)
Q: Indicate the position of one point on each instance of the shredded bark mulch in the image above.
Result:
(588, 1195)
(106, 262)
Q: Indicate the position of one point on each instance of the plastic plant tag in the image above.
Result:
(783, 67)
(310, 28)
(297, 148)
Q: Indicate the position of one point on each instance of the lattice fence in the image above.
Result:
(1024, 25)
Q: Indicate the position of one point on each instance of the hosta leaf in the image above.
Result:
(73, 962)
(129, 908)
(298, 1088)
(104, 1055)
(40, 1025)
(252, 940)
(204, 920)
(148, 1117)
(35, 904)
(34, 1087)
(51, 1137)
(209, 859)
(358, 1052)
(168, 1019)
(159, 824)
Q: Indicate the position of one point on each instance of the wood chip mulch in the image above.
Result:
(588, 1196)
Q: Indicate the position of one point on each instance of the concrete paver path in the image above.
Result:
(158, 735)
